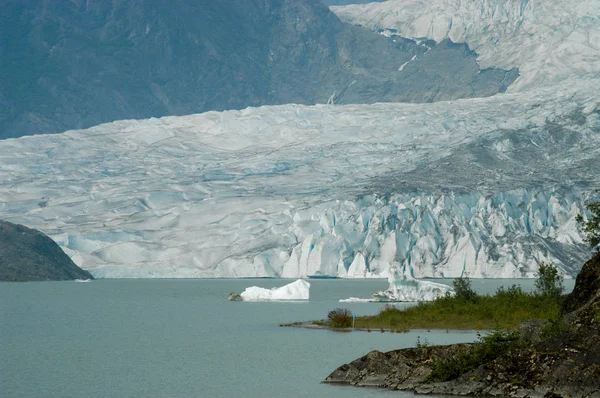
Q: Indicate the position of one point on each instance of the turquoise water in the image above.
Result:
(182, 338)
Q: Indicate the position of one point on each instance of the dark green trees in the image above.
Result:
(591, 226)
(548, 282)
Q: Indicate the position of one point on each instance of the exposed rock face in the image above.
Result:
(566, 364)
(398, 370)
(233, 296)
(70, 65)
(345, 2)
(29, 255)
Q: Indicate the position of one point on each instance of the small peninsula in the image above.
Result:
(29, 255)
(551, 359)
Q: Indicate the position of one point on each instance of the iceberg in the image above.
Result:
(403, 287)
(298, 290)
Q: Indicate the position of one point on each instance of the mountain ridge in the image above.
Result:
(78, 64)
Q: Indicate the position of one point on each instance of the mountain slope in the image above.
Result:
(29, 255)
(68, 65)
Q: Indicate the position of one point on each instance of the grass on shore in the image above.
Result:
(504, 310)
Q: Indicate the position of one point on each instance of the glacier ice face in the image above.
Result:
(298, 290)
(548, 41)
(490, 185)
(487, 186)
(403, 287)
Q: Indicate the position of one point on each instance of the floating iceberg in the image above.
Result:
(403, 287)
(298, 290)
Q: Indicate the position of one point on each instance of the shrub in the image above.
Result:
(463, 289)
(485, 350)
(340, 318)
(591, 226)
(549, 282)
(554, 327)
(512, 292)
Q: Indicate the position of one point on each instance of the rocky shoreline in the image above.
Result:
(565, 363)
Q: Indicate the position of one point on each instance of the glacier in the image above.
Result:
(298, 290)
(547, 40)
(486, 186)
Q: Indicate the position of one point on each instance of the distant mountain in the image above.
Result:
(70, 65)
(29, 255)
(346, 2)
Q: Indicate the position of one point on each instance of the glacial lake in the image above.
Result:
(183, 338)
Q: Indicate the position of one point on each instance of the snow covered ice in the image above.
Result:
(547, 40)
(487, 186)
(298, 290)
(403, 287)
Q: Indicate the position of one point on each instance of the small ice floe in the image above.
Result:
(83, 280)
(298, 290)
(403, 287)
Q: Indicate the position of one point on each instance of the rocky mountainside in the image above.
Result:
(70, 65)
(29, 255)
(346, 2)
(565, 364)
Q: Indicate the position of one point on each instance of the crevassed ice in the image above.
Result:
(297, 290)
(298, 191)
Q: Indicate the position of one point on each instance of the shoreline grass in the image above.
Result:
(505, 309)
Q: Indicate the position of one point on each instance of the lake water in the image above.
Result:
(182, 338)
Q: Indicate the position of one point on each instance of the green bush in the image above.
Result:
(485, 350)
(549, 282)
(511, 293)
(340, 318)
(554, 327)
(506, 309)
(463, 289)
(591, 226)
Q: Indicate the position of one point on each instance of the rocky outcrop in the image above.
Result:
(403, 369)
(565, 363)
(29, 255)
(233, 296)
(72, 65)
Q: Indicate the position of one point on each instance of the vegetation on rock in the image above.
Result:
(488, 347)
(556, 358)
